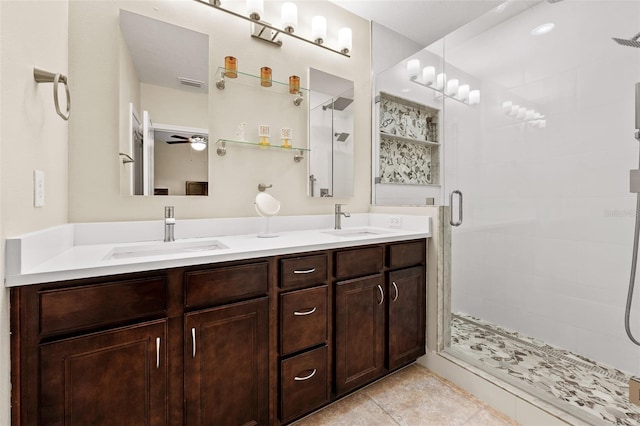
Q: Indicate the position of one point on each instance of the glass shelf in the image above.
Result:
(297, 151)
(251, 80)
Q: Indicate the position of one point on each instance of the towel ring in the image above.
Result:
(42, 76)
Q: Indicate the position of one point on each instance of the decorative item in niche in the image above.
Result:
(405, 162)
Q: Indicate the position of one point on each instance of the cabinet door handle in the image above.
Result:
(395, 289)
(157, 352)
(305, 271)
(309, 312)
(193, 342)
(381, 294)
(299, 379)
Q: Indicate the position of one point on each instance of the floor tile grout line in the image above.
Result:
(383, 409)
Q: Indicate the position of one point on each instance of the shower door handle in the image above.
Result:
(459, 222)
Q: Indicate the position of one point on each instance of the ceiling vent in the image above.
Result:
(190, 82)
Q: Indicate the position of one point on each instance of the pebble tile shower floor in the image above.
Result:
(593, 392)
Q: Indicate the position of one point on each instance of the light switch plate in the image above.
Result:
(395, 222)
(634, 390)
(38, 188)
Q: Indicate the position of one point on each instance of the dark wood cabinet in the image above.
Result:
(359, 332)
(117, 377)
(407, 312)
(226, 368)
(249, 342)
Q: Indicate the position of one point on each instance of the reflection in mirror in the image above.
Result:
(163, 79)
(330, 135)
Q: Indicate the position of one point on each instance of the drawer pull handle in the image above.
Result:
(157, 352)
(299, 379)
(306, 271)
(193, 342)
(381, 294)
(395, 288)
(309, 312)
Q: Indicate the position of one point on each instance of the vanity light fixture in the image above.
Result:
(289, 17)
(440, 85)
(530, 116)
(344, 40)
(413, 68)
(264, 31)
(319, 29)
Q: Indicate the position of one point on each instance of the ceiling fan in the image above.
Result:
(198, 142)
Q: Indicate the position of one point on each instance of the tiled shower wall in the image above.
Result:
(545, 247)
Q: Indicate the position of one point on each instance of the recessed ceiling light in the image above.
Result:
(542, 29)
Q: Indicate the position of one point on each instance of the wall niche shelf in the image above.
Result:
(251, 80)
(405, 139)
(298, 153)
(409, 151)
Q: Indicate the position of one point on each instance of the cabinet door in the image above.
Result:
(227, 365)
(359, 332)
(110, 378)
(406, 316)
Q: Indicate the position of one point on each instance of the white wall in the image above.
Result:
(93, 171)
(545, 247)
(32, 136)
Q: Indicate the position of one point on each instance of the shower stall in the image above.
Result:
(540, 262)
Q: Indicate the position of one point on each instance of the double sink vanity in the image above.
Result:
(216, 328)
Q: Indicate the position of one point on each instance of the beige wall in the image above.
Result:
(32, 136)
(93, 169)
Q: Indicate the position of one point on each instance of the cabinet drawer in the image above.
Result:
(406, 254)
(78, 308)
(303, 271)
(358, 262)
(303, 384)
(226, 284)
(303, 319)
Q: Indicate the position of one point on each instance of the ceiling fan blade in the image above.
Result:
(180, 137)
(172, 142)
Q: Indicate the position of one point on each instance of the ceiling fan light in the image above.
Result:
(198, 145)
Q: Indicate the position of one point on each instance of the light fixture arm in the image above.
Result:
(216, 5)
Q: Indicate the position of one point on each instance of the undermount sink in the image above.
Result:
(159, 249)
(355, 232)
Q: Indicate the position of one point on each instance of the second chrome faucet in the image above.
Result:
(169, 223)
(338, 216)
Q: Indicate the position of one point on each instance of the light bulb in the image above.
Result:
(413, 68)
(344, 40)
(474, 97)
(319, 29)
(289, 17)
(440, 80)
(463, 92)
(428, 75)
(255, 9)
(452, 87)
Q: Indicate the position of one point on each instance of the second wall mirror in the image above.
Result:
(330, 135)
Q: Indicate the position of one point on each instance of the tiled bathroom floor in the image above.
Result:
(593, 392)
(410, 397)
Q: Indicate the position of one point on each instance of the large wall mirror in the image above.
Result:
(164, 104)
(330, 135)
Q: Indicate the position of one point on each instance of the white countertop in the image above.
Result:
(84, 250)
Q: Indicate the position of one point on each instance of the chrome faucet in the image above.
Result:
(338, 214)
(169, 223)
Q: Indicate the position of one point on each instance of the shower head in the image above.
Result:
(339, 104)
(341, 137)
(633, 42)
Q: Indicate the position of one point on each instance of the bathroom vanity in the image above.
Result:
(260, 340)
